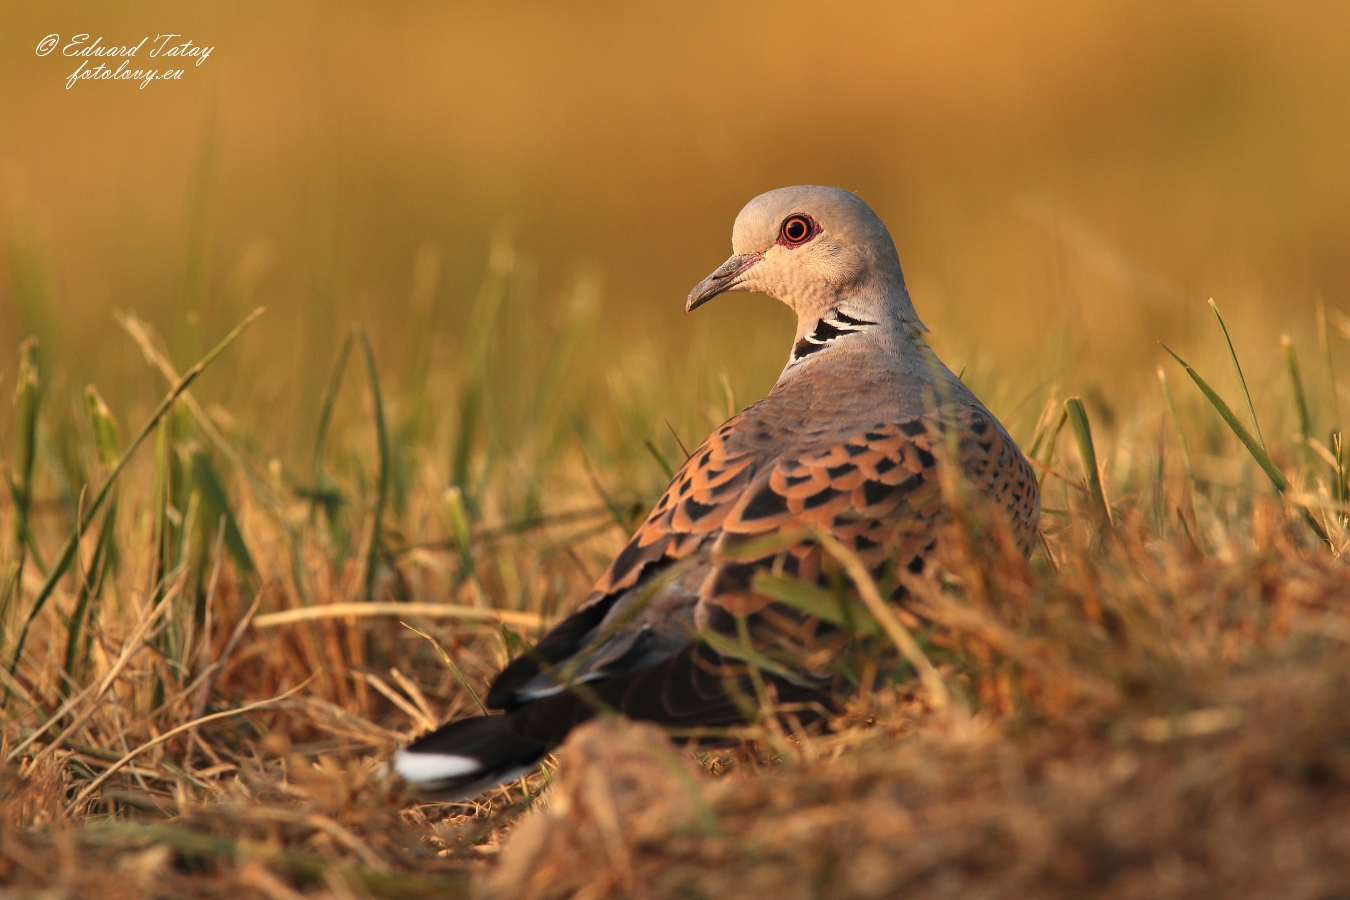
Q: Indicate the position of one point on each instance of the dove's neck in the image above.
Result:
(855, 345)
(882, 370)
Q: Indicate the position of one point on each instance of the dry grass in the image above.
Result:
(1160, 712)
(1145, 721)
(1155, 705)
(1176, 731)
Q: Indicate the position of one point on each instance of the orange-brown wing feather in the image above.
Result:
(689, 513)
(877, 491)
(693, 507)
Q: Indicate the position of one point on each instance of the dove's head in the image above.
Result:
(815, 249)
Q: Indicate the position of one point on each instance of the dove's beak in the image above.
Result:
(728, 277)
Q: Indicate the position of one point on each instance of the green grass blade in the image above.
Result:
(660, 460)
(735, 649)
(1049, 460)
(163, 495)
(108, 448)
(478, 334)
(1336, 440)
(382, 443)
(1339, 475)
(616, 510)
(27, 398)
(450, 664)
(809, 598)
(553, 383)
(743, 549)
(107, 444)
(326, 410)
(422, 309)
(1254, 447)
(91, 586)
(465, 435)
(1176, 422)
(218, 509)
(814, 601)
(32, 284)
(1242, 381)
(1324, 342)
(1305, 428)
(195, 286)
(457, 518)
(323, 492)
(1082, 429)
(67, 553)
(1042, 428)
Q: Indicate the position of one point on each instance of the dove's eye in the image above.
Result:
(797, 230)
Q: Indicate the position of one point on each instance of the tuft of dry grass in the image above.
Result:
(1145, 721)
(200, 702)
(1151, 723)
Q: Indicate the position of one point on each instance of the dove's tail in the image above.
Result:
(467, 757)
(686, 690)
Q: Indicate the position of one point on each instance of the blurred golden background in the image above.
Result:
(1067, 182)
(513, 200)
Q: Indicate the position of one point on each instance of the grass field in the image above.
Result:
(198, 697)
(245, 555)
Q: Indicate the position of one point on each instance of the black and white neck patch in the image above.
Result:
(830, 328)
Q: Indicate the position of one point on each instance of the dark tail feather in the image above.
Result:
(464, 758)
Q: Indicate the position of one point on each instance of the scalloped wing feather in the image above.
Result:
(878, 492)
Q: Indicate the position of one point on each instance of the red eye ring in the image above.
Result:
(797, 229)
